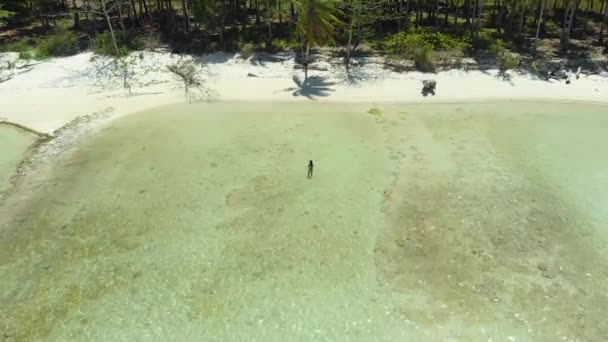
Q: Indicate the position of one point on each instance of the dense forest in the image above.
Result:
(421, 30)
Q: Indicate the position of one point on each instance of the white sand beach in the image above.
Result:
(46, 95)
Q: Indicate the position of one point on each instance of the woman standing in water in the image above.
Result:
(310, 168)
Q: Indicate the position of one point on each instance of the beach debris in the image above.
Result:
(192, 75)
(252, 75)
(428, 87)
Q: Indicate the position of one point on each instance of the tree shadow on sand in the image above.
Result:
(354, 75)
(262, 59)
(311, 87)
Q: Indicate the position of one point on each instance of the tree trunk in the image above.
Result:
(436, 15)
(106, 14)
(76, 20)
(257, 12)
(120, 20)
(501, 18)
(522, 22)
(467, 9)
(350, 35)
(408, 9)
(145, 7)
(604, 23)
(187, 25)
(479, 5)
(134, 12)
(269, 20)
(540, 18)
(418, 14)
(306, 58)
(223, 22)
(569, 19)
(400, 21)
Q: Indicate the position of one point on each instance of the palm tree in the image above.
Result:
(571, 7)
(316, 21)
(539, 19)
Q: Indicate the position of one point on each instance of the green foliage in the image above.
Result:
(424, 59)
(4, 14)
(551, 26)
(443, 42)
(128, 41)
(497, 47)
(284, 45)
(209, 12)
(486, 39)
(247, 50)
(317, 21)
(506, 61)
(425, 47)
(25, 48)
(401, 44)
(59, 44)
(535, 67)
(102, 44)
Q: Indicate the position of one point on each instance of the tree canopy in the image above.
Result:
(567, 27)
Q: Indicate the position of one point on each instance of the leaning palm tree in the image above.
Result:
(316, 21)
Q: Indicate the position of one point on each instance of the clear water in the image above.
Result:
(14, 143)
(443, 222)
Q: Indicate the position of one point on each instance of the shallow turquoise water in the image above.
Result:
(468, 221)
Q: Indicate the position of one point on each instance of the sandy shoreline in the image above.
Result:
(46, 96)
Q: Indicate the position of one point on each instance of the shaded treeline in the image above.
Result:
(227, 24)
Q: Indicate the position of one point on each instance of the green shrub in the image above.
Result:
(497, 47)
(535, 67)
(24, 47)
(551, 26)
(424, 59)
(247, 50)
(284, 45)
(486, 39)
(126, 42)
(506, 61)
(59, 44)
(425, 47)
(438, 41)
(102, 44)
